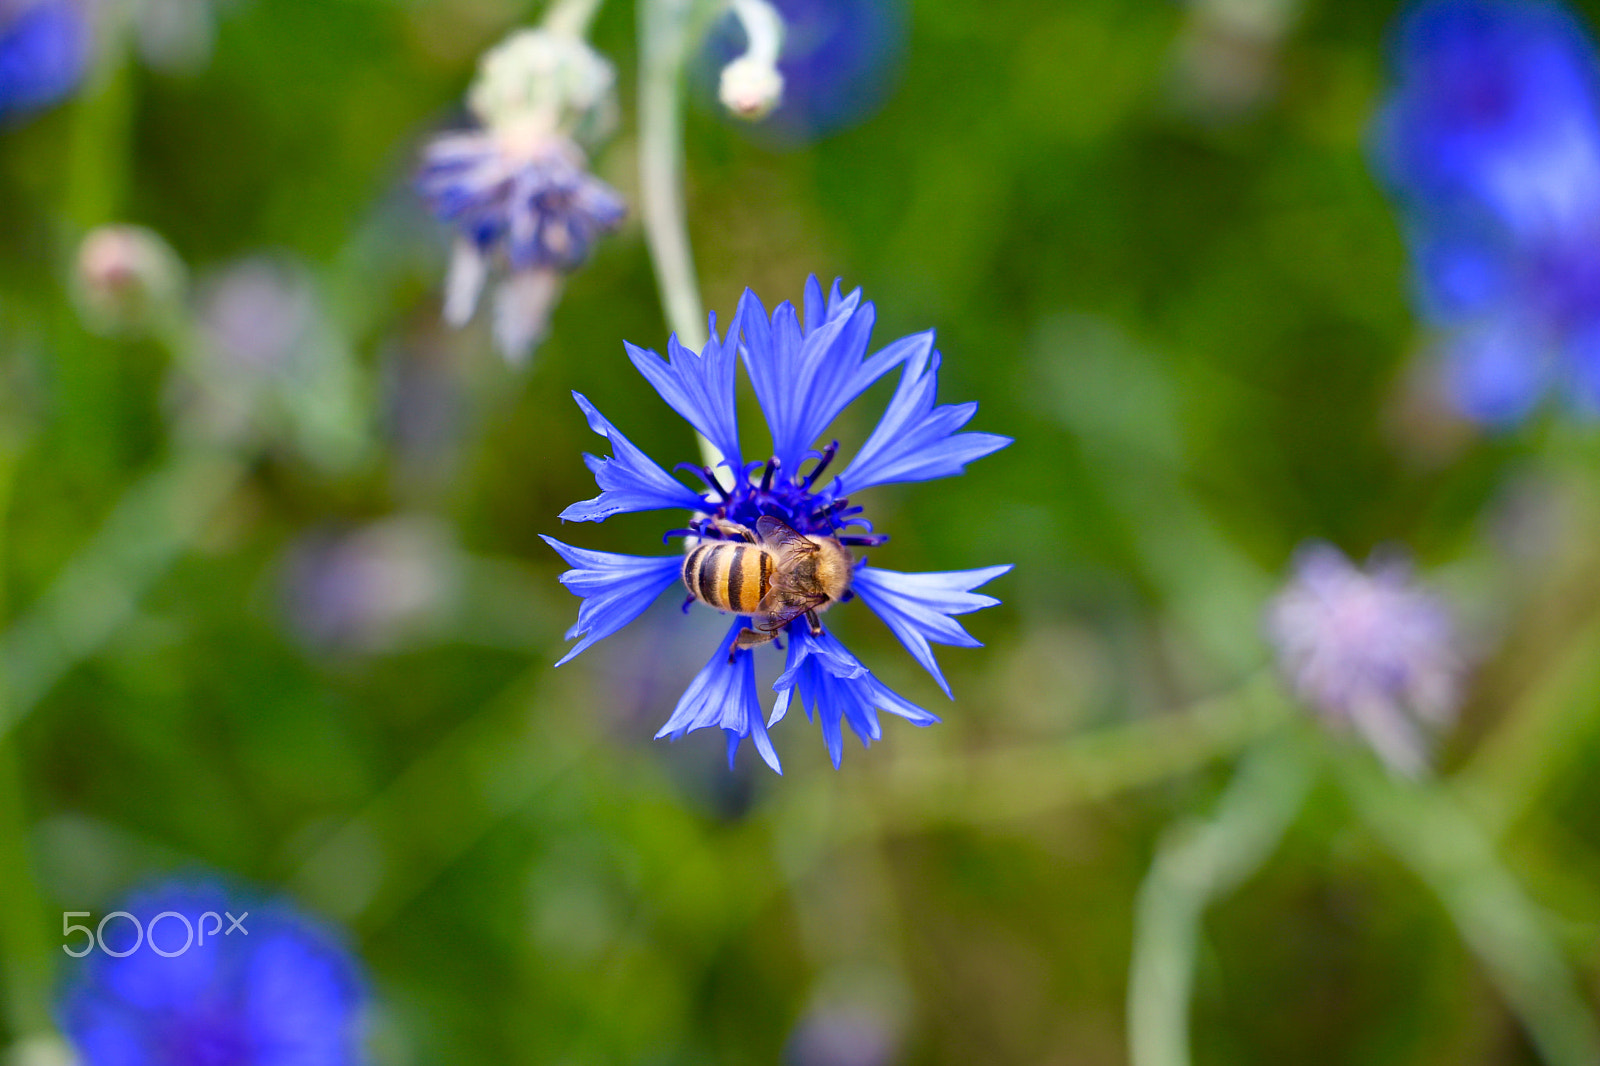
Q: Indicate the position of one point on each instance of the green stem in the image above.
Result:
(571, 16)
(1197, 863)
(1450, 852)
(24, 949)
(98, 591)
(666, 31)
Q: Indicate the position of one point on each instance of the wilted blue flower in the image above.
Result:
(1369, 649)
(277, 991)
(838, 62)
(1491, 141)
(518, 191)
(44, 51)
(804, 376)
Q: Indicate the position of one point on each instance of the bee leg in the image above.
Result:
(688, 602)
(816, 626)
(748, 638)
(733, 530)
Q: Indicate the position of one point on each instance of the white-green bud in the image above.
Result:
(549, 81)
(750, 89)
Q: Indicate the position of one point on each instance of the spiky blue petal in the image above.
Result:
(629, 479)
(805, 378)
(834, 687)
(699, 387)
(723, 694)
(917, 608)
(615, 589)
(916, 440)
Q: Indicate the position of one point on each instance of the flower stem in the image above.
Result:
(571, 17)
(1197, 863)
(1449, 851)
(24, 951)
(98, 591)
(665, 33)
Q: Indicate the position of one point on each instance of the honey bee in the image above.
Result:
(775, 575)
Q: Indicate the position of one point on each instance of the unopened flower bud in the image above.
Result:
(128, 279)
(751, 89)
(550, 79)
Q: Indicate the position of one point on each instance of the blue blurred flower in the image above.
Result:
(518, 191)
(278, 991)
(529, 205)
(1491, 142)
(1368, 649)
(838, 62)
(44, 51)
(804, 376)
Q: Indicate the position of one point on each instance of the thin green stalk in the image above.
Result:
(1429, 831)
(663, 43)
(24, 948)
(667, 28)
(98, 591)
(571, 16)
(1196, 864)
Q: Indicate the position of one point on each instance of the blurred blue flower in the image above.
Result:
(278, 991)
(1491, 143)
(804, 376)
(44, 51)
(1368, 649)
(839, 61)
(523, 201)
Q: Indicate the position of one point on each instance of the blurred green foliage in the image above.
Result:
(1195, 324)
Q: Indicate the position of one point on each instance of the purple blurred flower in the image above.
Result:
(1491, 143)
(44, 52)
(1368, 649)
(843, 1036)
(803, 376)
(279, 991)
(839, 61)
(366, 590)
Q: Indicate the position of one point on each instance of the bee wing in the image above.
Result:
(780, 607)
(781, 536)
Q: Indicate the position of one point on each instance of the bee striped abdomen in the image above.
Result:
(728, 576)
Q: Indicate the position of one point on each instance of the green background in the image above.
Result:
(1193, 321)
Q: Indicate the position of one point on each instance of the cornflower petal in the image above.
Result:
(699, 387)
(615, 589)
(723, 694)
(834, 685)
(915, 440)
(804, 378)
(629, 480)
(917, 608)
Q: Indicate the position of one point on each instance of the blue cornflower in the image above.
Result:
(1491, 142)
(804, 376)
(44, 51)
(278, 990)
(1370, 649)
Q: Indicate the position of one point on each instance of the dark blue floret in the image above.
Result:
(804, 375)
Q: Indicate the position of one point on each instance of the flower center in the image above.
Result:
(780, 494)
